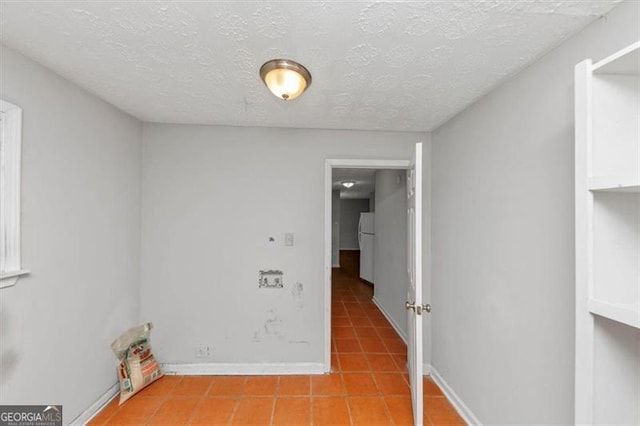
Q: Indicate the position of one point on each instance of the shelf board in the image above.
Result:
(627, 313)
(625, 61)
(617, 183)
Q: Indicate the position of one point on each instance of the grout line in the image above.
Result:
(106, 421)
(273, 405)
(310, 403)
(166, 397)
(150, 417)
(209, 387)
(196, 409)
(346, 401)
(234, 411)
(387, 410)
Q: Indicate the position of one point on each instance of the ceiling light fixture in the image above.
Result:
(285, 78)
(348, 183)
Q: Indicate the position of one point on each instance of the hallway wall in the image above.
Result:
(350, 210)
(335, 228)
(390, 266)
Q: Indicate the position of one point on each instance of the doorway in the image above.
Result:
(352, 216)
(330, 166)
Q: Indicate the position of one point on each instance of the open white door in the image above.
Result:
(414, 306)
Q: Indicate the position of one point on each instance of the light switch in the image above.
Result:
(288, 239)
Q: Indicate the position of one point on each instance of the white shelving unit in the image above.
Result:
(607, 153)
(614, 183)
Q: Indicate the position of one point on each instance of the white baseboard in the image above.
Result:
(222, 369)
(97, 406)
(335, 265)
(462, 409)
(395, 326)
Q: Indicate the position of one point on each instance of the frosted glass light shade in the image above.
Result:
(348, 183)
(284, 78)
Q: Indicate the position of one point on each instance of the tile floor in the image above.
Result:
(368, 385)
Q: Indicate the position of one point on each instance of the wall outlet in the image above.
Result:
(288, 239)
(203, 351)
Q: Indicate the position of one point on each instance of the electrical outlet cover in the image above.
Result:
(288, 239)
(203, 351)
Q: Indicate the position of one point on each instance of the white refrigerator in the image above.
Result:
(366, 235)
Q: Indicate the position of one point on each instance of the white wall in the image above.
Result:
(350, 210)
(335, 228)
(503, 237)
(80, 238)
(390, 266)
(616, 387)
(212, 196)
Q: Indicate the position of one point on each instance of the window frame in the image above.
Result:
(10, 177)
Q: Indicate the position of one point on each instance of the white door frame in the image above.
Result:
(331, 164)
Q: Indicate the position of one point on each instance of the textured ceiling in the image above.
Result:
(365, 180)
(375, 65)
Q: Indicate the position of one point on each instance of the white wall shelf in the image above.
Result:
(619, 183)
(624, 61)
(607, 191)
(628, 313)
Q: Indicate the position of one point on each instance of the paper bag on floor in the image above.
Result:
(138, 367)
